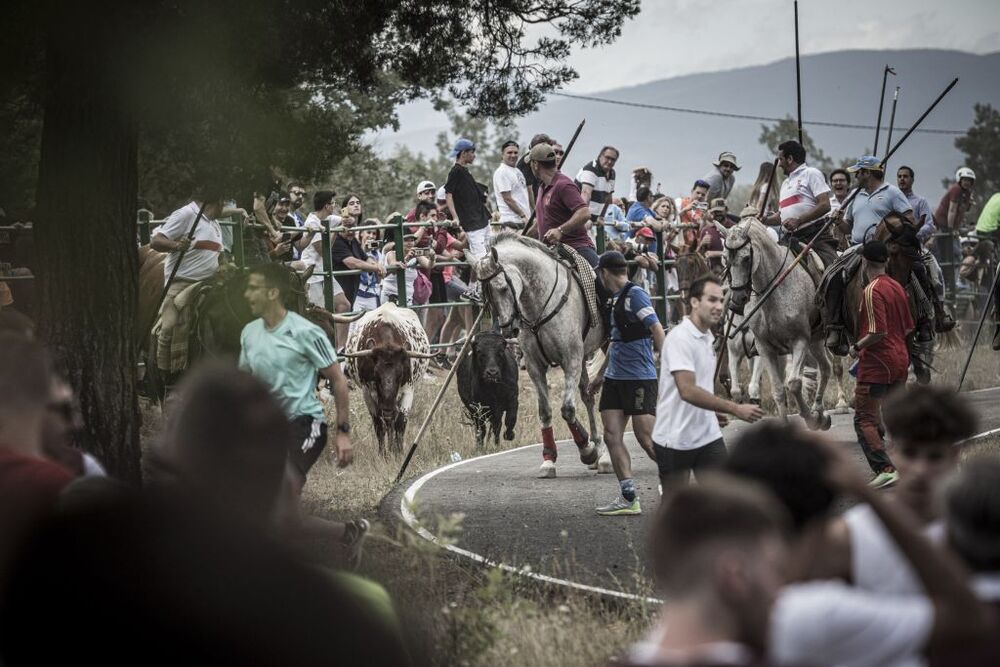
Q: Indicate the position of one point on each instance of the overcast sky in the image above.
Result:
(676, 37)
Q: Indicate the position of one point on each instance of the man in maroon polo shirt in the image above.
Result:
(561, 212)
(884, 322)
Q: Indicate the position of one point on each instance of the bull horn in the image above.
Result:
(359, 353)
(420, 355)
(346, 319)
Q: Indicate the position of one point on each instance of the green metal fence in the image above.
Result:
(397, 226)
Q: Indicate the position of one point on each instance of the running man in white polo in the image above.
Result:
(687, 436)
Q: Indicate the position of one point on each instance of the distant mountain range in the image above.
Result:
(841, 86)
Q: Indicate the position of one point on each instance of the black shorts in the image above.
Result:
(307, 443)
(439, 292)
(672, 462)
(633, 397)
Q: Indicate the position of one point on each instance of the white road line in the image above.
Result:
(410, 518)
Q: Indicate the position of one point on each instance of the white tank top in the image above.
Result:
(876, 562)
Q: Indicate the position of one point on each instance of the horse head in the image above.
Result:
(501, 289)
(224, 312)
(739, 258)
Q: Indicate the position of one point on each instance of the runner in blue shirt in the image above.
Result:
(629, 378)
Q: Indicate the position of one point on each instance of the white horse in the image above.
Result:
(786, 322)
(531, 293)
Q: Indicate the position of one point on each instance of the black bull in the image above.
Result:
(487, 385)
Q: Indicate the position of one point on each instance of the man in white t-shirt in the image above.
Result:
(687, 436)
(511, 189)
(826, 620)
(925, 425)
(311, 245)
(200, 260)
(803, 203)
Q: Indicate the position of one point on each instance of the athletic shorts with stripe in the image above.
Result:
(307, 442)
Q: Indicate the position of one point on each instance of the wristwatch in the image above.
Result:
(344, 427)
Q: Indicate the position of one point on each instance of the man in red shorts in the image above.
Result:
(884, 322)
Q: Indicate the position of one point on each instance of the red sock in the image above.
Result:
(580, 436)
(549, 451)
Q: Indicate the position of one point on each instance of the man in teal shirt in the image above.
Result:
(285, 350)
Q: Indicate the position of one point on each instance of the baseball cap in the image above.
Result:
(425, 185)
(866, 162)
(462, 145)
(542, 153)
(875, 251)
(718, 204)
(612, 259)
(645, 232)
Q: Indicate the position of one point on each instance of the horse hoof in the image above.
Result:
(547, 470)
(589, 454)
(604, 464)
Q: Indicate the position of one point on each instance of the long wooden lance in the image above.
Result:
(569, 147)
(881, 102)
(892, 122)
(798, 258)
(798, 71)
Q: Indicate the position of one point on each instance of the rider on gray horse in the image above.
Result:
(876, 201)
(561, 210)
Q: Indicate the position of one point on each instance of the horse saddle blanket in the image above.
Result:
(586, 278)
(847, 264)
(186, 303)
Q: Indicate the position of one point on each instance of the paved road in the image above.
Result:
(513, 518)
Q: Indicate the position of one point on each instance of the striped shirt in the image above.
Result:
(800, 191)
(603, 183)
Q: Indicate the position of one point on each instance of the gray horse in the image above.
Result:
(786, 322)
(536, 297)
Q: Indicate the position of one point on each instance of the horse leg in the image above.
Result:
(537, 372)
(573, 373)
(753, 390)
(819, 353)
(736, 392)
(776, 372)
(603, 463)
(837, 371)
(793, 379)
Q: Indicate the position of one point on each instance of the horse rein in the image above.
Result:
(748, 285)
(538, 323)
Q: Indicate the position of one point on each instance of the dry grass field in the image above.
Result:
(455, 613)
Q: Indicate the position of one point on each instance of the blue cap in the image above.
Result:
(462, 145)
(866, 162)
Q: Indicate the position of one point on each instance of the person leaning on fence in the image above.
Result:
(629, 377)
(687, 436)
(200, 261)
(467, 204)
(311, 248)
(511, 189)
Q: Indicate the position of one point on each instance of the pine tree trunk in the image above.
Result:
(85, 232)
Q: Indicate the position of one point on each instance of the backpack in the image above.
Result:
(421, 289)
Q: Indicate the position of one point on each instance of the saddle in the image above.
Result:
(587, 280)
(187, 304)
(847, 264)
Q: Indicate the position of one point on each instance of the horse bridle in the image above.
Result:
(538, 323)
(748, 285)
